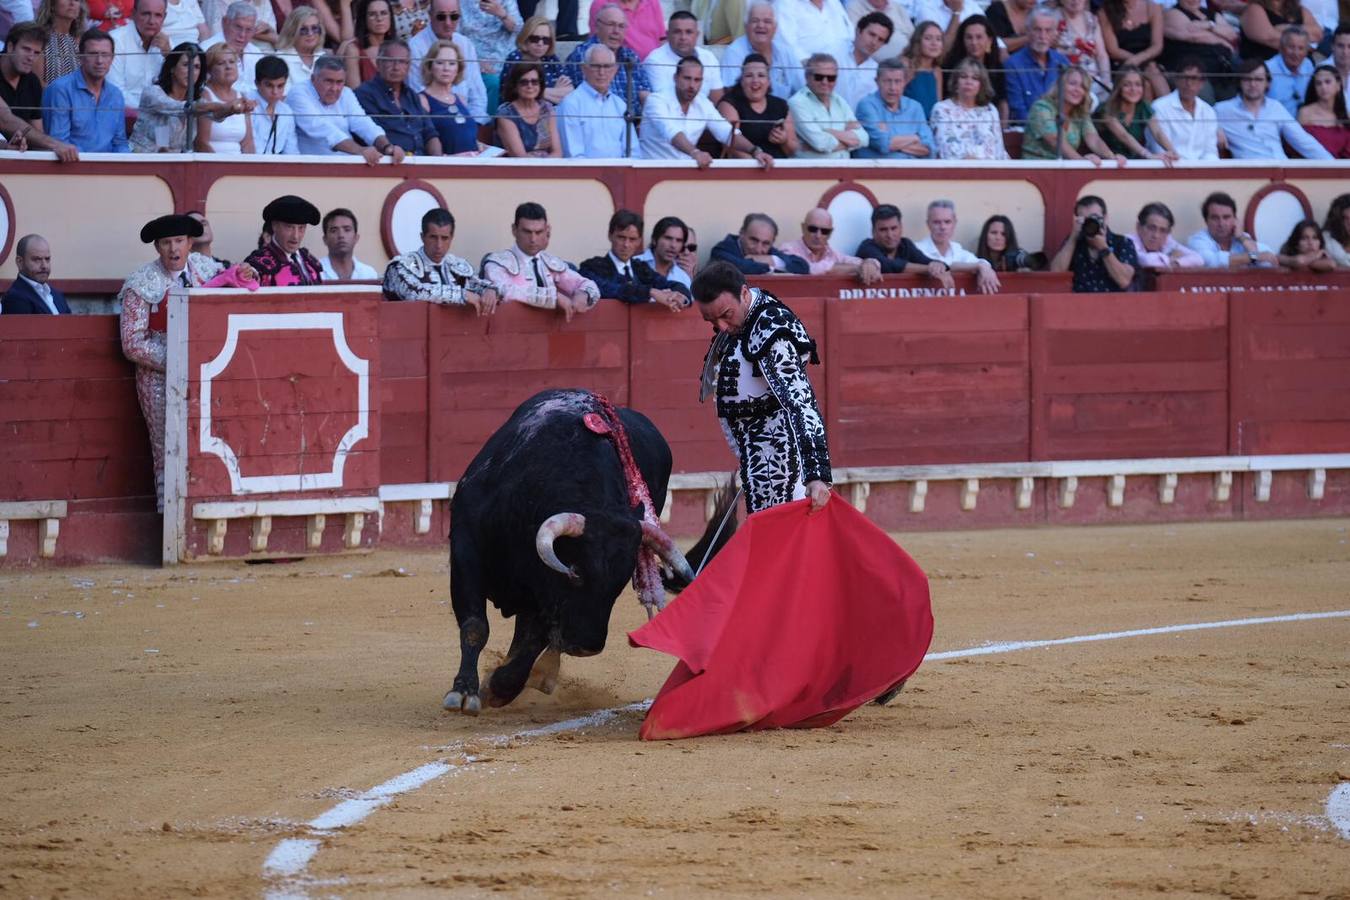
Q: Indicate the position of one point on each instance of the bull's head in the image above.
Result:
(570, 524)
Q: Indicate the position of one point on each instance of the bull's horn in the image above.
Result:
(660, 543)
(556, 526)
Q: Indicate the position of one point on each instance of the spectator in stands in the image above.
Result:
(1323, 113)
(229, 127)
(594, 125)
(620, 274)
(1254, 126)
(161, 125)
(332, 29)
(492, 26)
(84, 108)
(1263, 21)
(273, 119)
(1194, 30)
(1291, 69)
(897, 253)
(752, 251)
(1126, 121)
(1065, 131)
(1101, 260)
(1191, 125)
(65, 22)
(373, 24)
(526, 273)
(238, 28)
(340, 236)
(939, 246)
(1031, 71)
(966, 124)
(610, 26)
(688, 259)
(896, 125)
(923, 58)
(975, 40)
(1340, 55)
(663, 255)
(300, 43)
(202, 243)
(402, 115)
(826, 125)
(434, 274)
(681, 42)
(1080, 40)
(998, 246)
(526, 125)
(821, 258)
(762, 118)
(1336, 231)
(761, 37)
(1305, 250)
(139, 48)
(901, 24)
(1154, 245)
(330, 120)
(1221, 244)
(445, 16)
(30, 294)
(723, 20)
(443, 72)
(810, 26)
(646, 23)
(1011, 21)
(20, 88)
(535, 43)
(858, 77)
(281, 259)
(672, 126)
(1133, 33)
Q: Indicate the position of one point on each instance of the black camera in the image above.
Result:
(1093, 226)
(1017, 260)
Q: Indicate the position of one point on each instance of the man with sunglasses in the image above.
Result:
(814, 247)
(445, 18)
(825, 122)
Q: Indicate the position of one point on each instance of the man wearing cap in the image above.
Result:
(280, 260)
(144, 317)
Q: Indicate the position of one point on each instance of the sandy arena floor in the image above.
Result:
(162, 731)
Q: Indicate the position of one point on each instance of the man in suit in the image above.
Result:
(621, 275)
(30, 293)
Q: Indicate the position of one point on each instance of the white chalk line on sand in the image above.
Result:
(285, 866)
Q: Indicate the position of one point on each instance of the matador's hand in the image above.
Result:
(819, 492)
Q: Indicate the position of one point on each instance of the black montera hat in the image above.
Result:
(170, 226)
(291, 209)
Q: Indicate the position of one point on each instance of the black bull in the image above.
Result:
(542, 525)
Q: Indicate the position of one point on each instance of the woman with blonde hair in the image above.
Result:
(300, 43)
(442, 69)
(966, 125)
(65, 21)
(230, 128)
(1065, 131)
(535, 43)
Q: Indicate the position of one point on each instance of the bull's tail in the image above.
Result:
(721, 527)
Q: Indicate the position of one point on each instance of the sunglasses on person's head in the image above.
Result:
(821, 76)
(538, 39)
(453, 17)
(820, 229)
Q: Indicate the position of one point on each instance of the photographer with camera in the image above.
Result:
(1101, 261)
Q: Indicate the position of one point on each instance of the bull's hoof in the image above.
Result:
(889, 695)
(458, 701)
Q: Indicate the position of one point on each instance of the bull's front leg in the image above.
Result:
(508, 680)
(470, 605)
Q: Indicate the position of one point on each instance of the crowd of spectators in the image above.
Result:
(1101, 80)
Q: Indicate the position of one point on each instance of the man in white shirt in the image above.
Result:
(1290, 69)
(940, 246)
(682, 41)
(813, 26)
(445, 18)
(1189, 122)
(672, 126)
(273, 118)
(236, 29)
(330, 120)
(897, 12)
(1222, 244)
(340, 237)
(139, 47)
(592, 119)
(858, 69)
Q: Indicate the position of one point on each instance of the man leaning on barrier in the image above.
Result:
(527, 273)
(433, 273)
(330, 119)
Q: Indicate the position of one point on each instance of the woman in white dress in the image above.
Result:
(230, 129)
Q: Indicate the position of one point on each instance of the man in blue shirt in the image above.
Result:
(895, 124)
(1031, 71)
(591, 119)
(610, 26)
(388, 101)
(1254, 125)
(1291, 69)
(84, 108)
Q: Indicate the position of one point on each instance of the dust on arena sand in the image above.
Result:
(162, 730)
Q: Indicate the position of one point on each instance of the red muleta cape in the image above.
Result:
(798, 621)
